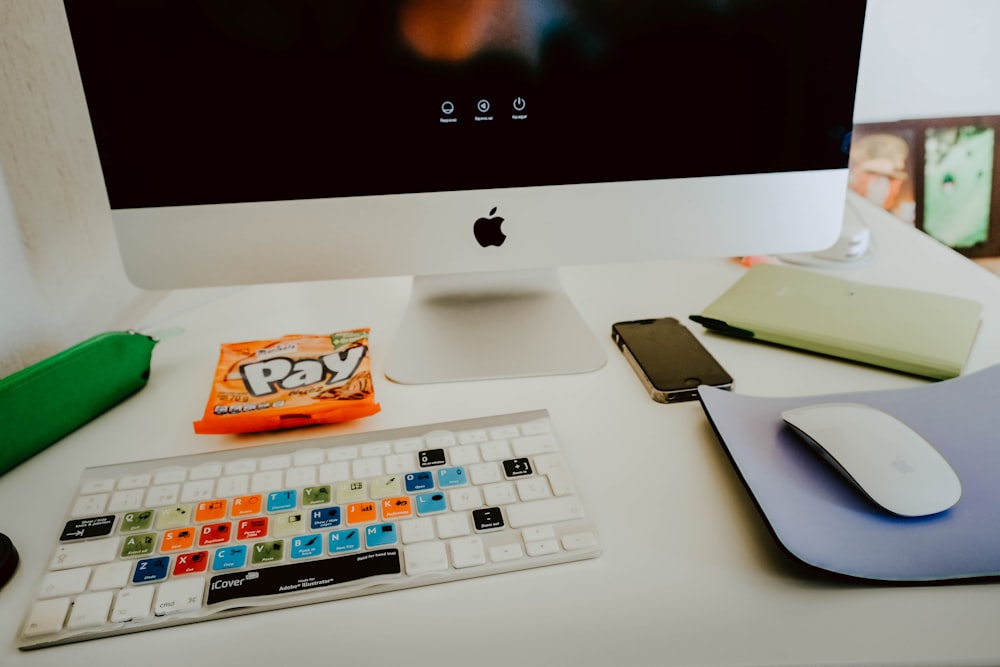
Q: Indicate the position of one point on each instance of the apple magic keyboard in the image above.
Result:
(165, 542)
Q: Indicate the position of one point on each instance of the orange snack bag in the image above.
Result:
(295, 380)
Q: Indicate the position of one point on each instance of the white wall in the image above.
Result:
(929, 59)
(58, 258)
(61, 280)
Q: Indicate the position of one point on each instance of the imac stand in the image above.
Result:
(485, 326)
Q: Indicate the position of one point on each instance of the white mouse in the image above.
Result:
(887, 460)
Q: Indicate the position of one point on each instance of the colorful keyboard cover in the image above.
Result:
(161, 543)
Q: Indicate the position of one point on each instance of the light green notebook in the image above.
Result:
(906, 330)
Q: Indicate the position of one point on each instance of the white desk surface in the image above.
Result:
(689, 574)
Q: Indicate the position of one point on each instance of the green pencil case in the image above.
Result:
(46, 401)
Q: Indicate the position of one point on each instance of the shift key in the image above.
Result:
(79, 554)
(550, 510)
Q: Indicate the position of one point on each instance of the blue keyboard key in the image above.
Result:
(451, 477)
(345, 540)
(151, 569)
(328, 517)
(228, 558)
(431, 503)
(380, 535)
(419, 481)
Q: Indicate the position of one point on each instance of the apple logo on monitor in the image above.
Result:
(487, 230)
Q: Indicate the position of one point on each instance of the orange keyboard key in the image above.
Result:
(178, 540)
(210, 510)
(247, 505)
(362, 512)
(395, 508)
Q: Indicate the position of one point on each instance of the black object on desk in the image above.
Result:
(8, 559)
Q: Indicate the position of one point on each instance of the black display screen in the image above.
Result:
(214, 101)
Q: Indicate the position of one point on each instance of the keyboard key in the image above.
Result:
(65, 582)
(79, 554)
(166, 494)
(396, 464)
(501, 493)
(504, 432)
(96, 526)
(533, 445)
(440, 440)
(308, 457)
(536, 427)
(472, 437)
(202, 489)
(385, 486)
(111, 575)
(90, 505)
(173, 517)
(495, 450)
(429, 458)
(551, 510)
(300, 476)
(381, 535)
(541, 547)
(464, 455)
(151, 569)
(203, 471)
(46, 616)
(352, 491)
(417, 530)
(241, 467)
(179, 595)
(132, 604)
(408, 445)
(447, 477)
(342, 454)
(452, 525)
(279, 462)
(465, 498)
(574, 541)
(376, 449)
(97, 486)
(264, 482)
(425, 557)
(517, 468)
(233, 485)
(134, 481)
(467, 552)
(506, 552)
(125, 501)
(169, 476)
(490, 518)
(431, 503)
(533, 488)
(536, 533)
(90, 610)
(337, 471)
(485, 473)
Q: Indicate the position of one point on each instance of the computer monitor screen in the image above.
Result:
(286, 140)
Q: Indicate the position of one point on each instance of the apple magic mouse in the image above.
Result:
(887, 460)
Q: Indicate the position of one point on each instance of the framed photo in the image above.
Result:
(940, 174)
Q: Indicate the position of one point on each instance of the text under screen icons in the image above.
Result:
(483, 110)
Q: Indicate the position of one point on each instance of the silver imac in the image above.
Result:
(476, 145)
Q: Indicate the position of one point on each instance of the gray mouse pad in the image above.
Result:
(819, 518)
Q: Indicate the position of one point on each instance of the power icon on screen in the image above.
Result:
(519, 104)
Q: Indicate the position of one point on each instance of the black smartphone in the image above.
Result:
(668, 359)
